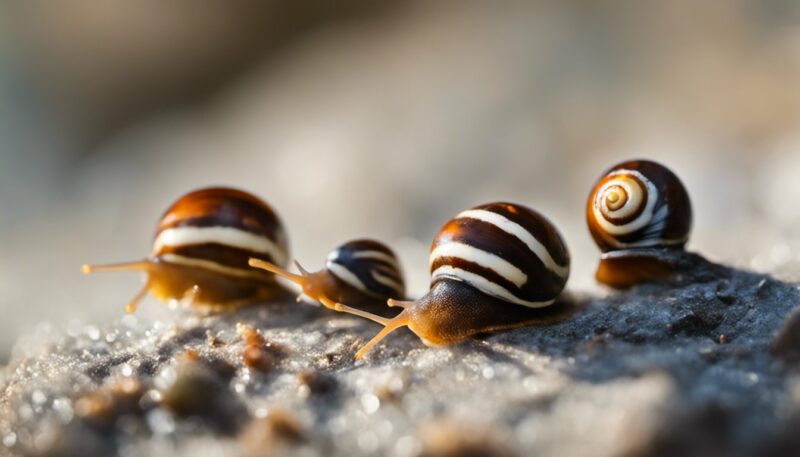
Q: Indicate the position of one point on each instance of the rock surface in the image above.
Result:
(705, 365)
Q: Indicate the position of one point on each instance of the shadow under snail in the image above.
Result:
(201, 250)
(640, 216)
(363, 273)
(494, 267)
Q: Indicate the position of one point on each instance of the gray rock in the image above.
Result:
(703, 365)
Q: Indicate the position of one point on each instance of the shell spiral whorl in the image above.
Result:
(639, 204)
(505, 250)
(369, 266)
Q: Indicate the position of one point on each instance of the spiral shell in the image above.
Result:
(505, 250)
(639, 204)
(219, 230)
(368, 266)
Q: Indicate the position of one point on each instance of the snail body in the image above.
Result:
(494, 267)
(201, 250)
(636, 212)
(363, 272)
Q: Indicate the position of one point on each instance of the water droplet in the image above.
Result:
(151, 398)
(38, 397)
(160, 422)
(370, 403)
(165, 378)
(407, 446)
(63, 407)
(488, 372)
(10, 439)
(93, 333)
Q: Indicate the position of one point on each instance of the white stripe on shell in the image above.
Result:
(484, 285)
(651, 242)
(391, 261)
(341, 272)
(635, 195)
(386, 281)
(480, 257)
(211, 266)
(630, 205)
(378, 255)
(651, 234)
(333, 256)
(228, 236)
(518, 231)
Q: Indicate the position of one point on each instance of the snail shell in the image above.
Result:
(639, 204)
(219, 229)
(364, 273)
(368, 266)
(640, 216)
(507, 251)
(201, 250)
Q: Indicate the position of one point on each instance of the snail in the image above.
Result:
(639, 214)
(364, 273)
(201, 250)
(493, 267)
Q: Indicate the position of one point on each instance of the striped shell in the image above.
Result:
(368, 266)
(639, 204)
(219, 229)
(505, 250)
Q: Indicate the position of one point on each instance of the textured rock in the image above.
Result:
(787, 341)
(693, 367)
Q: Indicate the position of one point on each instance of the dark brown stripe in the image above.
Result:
(531, 292)
(218, 253)
(488, 237)
(388, 271)
(536, 224)
(223, 207)
(486, 273)
(542, 284)
(362, 267)
(365, 244)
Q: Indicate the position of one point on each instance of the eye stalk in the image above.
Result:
(308, 282)
(362, 272)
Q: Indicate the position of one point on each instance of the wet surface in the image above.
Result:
(700, 366)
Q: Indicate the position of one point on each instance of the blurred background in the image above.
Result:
(382, 119)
